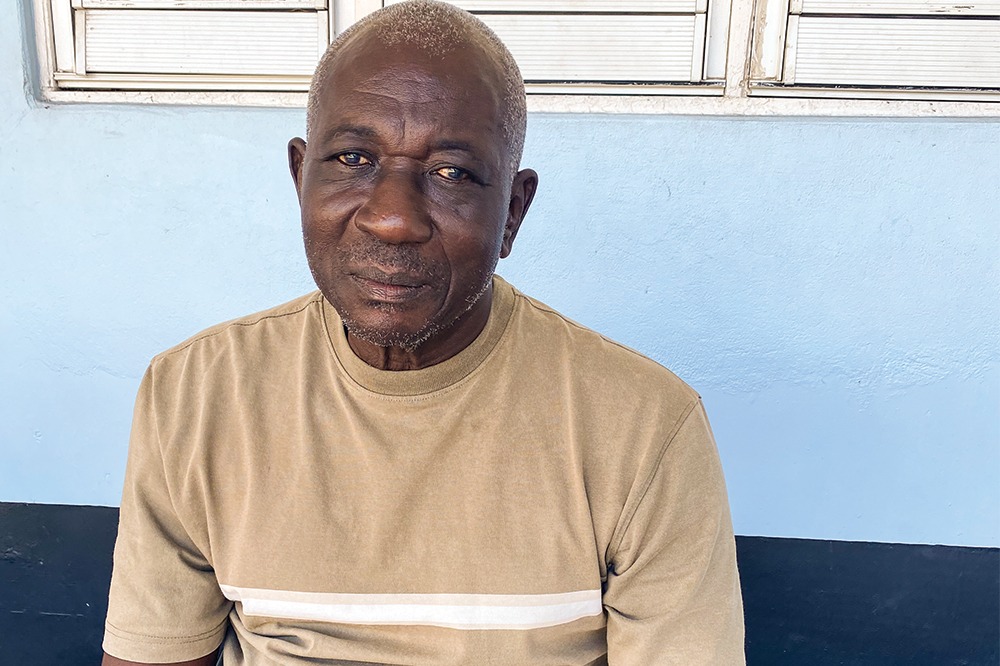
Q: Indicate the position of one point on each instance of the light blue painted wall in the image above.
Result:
(829, 285)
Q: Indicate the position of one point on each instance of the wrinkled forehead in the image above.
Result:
(459, 78)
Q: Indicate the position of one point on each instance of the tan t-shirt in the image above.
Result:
(546, 496)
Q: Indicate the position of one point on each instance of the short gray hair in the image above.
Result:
(435, 27)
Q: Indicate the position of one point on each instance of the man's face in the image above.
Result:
(405, 189)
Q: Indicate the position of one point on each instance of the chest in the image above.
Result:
(450, 500)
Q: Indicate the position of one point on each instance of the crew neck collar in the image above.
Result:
(431, 378)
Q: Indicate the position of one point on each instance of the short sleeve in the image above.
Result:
(673, 591)
(165, 603)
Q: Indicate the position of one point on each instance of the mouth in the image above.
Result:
(388, 287)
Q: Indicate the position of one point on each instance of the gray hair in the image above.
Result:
(436, 27)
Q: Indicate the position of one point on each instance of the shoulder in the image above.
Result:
(547, 333)
(622, 410)
(259, 342)
(291, 314)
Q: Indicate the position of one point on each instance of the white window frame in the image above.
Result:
(739, 95)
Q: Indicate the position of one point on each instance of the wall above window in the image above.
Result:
(718, 57)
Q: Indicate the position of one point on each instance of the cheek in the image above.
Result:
(323, 228)
(327, 203)
(473, 253)
(324, 224)
(317, 236)
(470, 229)
(324, 211)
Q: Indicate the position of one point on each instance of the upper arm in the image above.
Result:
(673, 594)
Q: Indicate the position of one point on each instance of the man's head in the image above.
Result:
(408, 184)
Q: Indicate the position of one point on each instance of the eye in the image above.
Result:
(453, 173)
(353, 159)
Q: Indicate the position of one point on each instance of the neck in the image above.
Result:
(446, 343)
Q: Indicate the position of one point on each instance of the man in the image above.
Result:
(418, 464)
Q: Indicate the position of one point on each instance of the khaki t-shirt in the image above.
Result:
(546, 496)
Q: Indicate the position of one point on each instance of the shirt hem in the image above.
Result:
(160, 649)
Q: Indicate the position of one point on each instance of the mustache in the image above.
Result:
(390, 263)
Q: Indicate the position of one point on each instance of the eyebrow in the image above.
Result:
(365, 132)
(454, 144)
(355, 130)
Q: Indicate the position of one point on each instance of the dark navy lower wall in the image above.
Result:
(811, 602)
(807, 602)
(54, 579)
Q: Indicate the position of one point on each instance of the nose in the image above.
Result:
(396, 211)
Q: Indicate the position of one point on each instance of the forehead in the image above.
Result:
(455, 89)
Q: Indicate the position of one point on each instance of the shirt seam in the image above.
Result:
(626, 520)
(546, 309)
(239, 322)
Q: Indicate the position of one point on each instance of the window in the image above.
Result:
(686, 56)
(877, 48)
(187, 44)
(613, 46)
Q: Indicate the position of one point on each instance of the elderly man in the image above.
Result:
(418, 464)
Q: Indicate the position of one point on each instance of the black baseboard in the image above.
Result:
(54, 579)
(845, 603)
(807, 602)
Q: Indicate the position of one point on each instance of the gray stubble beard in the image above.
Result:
(409, 342)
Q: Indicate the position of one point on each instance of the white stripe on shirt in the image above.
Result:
(455, 611)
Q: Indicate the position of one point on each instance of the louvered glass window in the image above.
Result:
(738, 50)
(920, 48)
(607, 46)
(188, 44)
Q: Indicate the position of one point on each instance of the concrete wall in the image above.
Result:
(829, 285)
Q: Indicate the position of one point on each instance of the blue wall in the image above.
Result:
(829, 285)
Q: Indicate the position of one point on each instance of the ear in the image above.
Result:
(296, 158)
(522, 191)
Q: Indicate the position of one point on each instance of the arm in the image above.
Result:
(207, 660)
(673, 592)
(165, 605)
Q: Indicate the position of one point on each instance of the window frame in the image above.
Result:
(739, 96)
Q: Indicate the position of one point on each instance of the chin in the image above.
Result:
(387, 324)
(390, 337)
(404, 325)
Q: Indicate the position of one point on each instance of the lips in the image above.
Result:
(388, 287)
